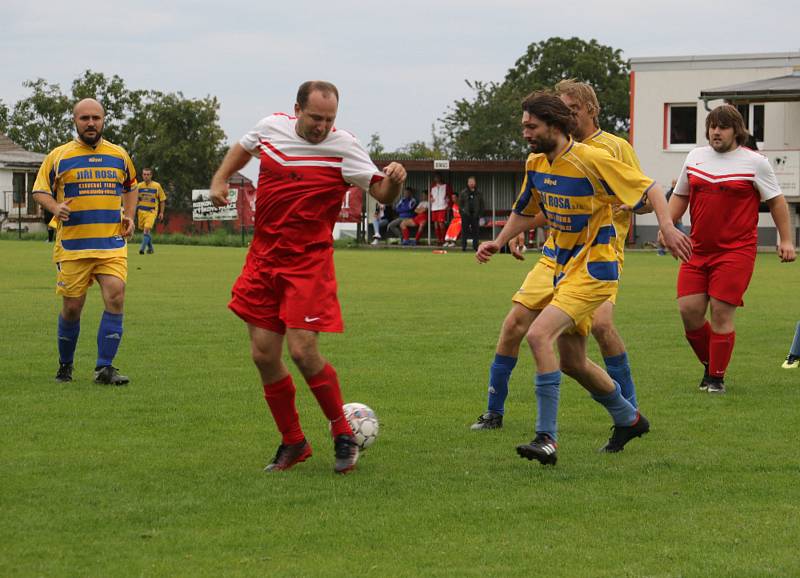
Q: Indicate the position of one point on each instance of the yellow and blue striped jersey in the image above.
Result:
(93, 180)
(576, 193)
(150, 195)
(622, 150)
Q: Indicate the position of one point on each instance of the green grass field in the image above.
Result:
(164, 477)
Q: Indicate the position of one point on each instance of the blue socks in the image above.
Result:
(147, 241)
(795, 350)
(68, 332)
(619, 369)
(620, 409)
(548, 388)
(499, 374)
(109, 336)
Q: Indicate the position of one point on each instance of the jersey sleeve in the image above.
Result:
(622, 183)
(528, 199)
(46, 177)
(162, 196)
(252, 139)
(130, 183)
(628, 156)
(358, 169)
(766, 181)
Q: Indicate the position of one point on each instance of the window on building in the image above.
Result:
(680, 126)
(33, 206)
(753, 115)
(18, 186)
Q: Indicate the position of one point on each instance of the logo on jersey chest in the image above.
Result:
(556, 201)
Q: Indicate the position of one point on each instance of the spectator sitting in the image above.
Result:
(405, 210)
(419, 220)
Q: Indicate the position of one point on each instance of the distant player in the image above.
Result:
(537, 289)
(722, 185)
(575, 185)
(152, 201)
(85, 184)
(287, 289)
(793, 359)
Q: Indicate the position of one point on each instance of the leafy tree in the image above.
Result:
(179, 137)
(487, 126)
(375, 146)
(43, 120)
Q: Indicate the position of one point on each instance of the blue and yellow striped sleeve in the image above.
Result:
(46, 177)
(528, 202)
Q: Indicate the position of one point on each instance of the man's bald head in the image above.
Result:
(89, 115)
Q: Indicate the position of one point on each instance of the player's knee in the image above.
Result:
(603, 330)
(538, 341)
(264, 358)
(72, 310)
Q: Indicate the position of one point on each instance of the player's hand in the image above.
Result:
(161, 218)
(486, 250)
(218, 195)
(786, 252)
(127, 227)
(517, 247)
(62, 211)
(675, 242)
(395, 172)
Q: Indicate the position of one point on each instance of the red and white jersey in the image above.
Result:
(301, 185)
(438, 196)
(724, 191)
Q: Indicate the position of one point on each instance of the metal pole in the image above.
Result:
(19, 220)
(494, 209)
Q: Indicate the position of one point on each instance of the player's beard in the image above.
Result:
(91, 141)
(542, 145)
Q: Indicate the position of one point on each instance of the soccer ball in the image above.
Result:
(364, 423)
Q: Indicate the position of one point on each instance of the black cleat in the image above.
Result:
(792, 362)
(622, 434)
(345, 450)
(289, 455)
(109, 375)
(489, 420)
(704, 382)
(715, 385)
(64, 373)
(141, 252)
(542, 448)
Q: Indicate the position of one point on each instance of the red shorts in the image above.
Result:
(298, 294)
(723, 276)
(438, 216)
(420, 219)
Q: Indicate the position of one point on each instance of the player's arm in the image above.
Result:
(674, 240)
(515, 225)
(386, 190)
(780, 215)
(162, 204)
(43, 191)
(235, 160)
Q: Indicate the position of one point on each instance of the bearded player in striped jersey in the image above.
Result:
(722, 185)
(287, 289)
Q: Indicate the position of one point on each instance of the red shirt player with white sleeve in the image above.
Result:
(723, 185)
(298, 200)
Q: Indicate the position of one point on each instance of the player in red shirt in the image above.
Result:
(722, 185)
(288, 286)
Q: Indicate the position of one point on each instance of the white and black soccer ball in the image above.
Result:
(364, 423)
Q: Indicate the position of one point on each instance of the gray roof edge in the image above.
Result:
(748, 60)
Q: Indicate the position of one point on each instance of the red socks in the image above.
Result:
(325, 387)
(280, 399)
(405, 234)
(700, 339)
(721, 349)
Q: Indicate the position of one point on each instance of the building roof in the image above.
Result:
(13, 155)
(717, 61)
(778, 89)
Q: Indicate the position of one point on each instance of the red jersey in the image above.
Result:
(301, 185)
(724, 191)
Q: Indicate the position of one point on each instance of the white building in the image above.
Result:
(18, 169)
(671, 97)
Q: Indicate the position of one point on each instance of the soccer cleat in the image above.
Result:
(141, 252)
(792, 362)
(289, 455)
(150, 251)
(64, 373)
(345, 450)
(715, 385)
(109, 375)
(489, 420)
(622, 434)
(542, 449)
(704, 382)
(376, 241)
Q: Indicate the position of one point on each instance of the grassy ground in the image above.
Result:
(163, 478)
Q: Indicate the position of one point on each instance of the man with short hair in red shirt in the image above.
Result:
(723, 185)
(288, 286)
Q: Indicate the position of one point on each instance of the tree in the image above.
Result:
(375, 146)
(488, 126)
(4, 112)
(179, 137)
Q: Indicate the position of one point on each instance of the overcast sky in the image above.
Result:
(398, 65)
